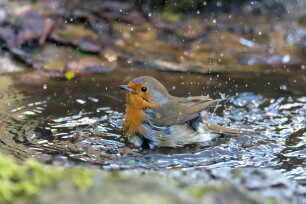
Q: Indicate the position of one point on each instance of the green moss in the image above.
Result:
(171, 15)
(201, 191)
(83, 178)
(28, 179)
(174, 184)
(115, 176)
(276, 201)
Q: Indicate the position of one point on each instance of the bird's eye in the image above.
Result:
(144, 89)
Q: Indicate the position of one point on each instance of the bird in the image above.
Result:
(158, 119)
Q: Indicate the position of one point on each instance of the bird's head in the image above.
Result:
(148, 88)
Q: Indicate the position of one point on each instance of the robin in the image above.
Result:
(155, 117)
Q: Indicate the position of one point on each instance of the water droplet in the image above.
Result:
(283, 87)
(93, 99)
(80, 101)
(247, 43)
(286, 59)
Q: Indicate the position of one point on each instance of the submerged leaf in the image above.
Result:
(111, 97)
(82, 52)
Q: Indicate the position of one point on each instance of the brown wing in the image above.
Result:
(179, 110)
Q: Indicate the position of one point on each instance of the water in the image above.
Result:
(79, 122)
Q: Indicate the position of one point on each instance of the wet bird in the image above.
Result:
(155, 117)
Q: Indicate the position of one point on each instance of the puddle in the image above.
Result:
(79, 122)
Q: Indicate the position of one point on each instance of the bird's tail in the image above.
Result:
(226, 130)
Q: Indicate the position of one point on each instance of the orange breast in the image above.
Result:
(134, 114)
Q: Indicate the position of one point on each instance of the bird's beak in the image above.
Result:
(126, 87)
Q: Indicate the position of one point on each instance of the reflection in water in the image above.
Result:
(82, 123)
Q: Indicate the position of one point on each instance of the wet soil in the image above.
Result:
(251, 41)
